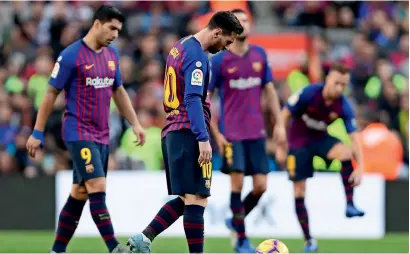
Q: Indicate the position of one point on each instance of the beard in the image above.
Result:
(107, 42)
(104, 42)
(213, 50)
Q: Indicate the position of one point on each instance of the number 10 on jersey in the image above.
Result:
(170, 88)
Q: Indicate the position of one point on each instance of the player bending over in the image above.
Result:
(88, 71)
(185, 137)
(311, 110)
(240, 75)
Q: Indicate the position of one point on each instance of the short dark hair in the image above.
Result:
(341, 68)
(227, 21)
(106, 13)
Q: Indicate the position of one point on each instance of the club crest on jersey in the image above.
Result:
(89, 168)
(208, 184)
(197, 77)
(257, 66)
(174, 52)
(333, 116)
(111, 65)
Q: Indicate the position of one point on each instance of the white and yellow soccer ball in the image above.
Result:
(272, 246)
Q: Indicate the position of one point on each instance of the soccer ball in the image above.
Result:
(272, 246)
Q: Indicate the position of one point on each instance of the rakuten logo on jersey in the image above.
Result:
(245, 83)
(99, 82)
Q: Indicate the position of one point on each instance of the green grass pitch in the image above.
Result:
(41, 241)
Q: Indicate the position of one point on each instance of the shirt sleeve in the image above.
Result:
(63, 71)
(267, 76)
(117, 79)
(216, 78)
(298, 101)
(194, 75)
(348, 116)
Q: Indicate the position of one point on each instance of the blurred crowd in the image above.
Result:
(32, 34)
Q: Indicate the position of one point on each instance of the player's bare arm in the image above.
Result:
(281, 151)
(286, 115)
(214, 124)
(219, 137)
(214, 85)
(123, 102)
(279, 132)
(355, 178)
(36, 140)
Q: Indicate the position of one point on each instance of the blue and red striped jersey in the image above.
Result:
(311, 115)
(88, 79)
(239, 80)
(186, 74)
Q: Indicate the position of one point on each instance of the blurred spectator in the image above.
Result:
(400, 58)
(38, 82)
(403, 123)
(147, 157)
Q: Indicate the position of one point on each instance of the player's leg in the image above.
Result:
(91, 160)
(194, 221)
(334, 149)
(173, 154)
(166, 216)
(299, 165)
(257, 166)
(193, 181)
(234, 165)
(237, 223)
(253, 197)
(69, 216)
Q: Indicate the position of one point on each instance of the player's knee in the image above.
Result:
(259, 189)
(340, 152)
(236, 182)
(237, 187)
(196, 200)
(299, 188)
(259, 184)
(347, 155)
(79, 192)
(343, 155)
(95, 185)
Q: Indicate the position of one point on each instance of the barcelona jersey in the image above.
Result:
(88, 79)
(187, 73)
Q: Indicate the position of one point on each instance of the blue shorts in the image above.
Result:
(300, 161)
(247, 156)
(90, 160)
(184, 174)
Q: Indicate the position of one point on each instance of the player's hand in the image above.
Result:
(32, 145)
(356, 178)
(140, 133)
(205, 152)
(221, 142)
(279, 135)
